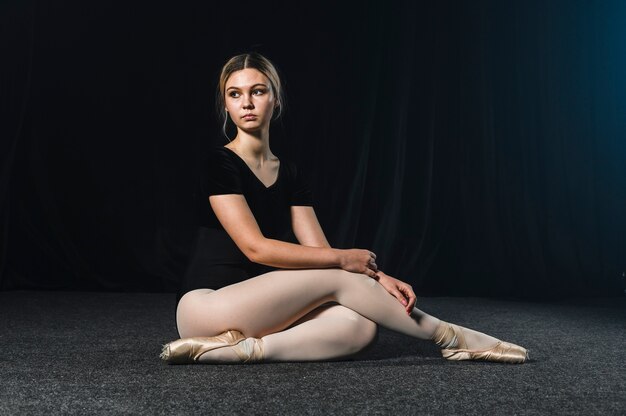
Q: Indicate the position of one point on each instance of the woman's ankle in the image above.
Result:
(445, 336)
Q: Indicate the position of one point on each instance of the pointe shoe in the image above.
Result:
(189, 350)
(249, 352)
(450, 337)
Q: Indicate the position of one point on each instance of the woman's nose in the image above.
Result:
(247, 102)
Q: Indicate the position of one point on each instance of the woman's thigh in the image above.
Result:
(261, 305)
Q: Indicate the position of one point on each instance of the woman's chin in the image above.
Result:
(252, 128)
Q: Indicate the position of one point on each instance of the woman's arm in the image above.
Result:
(309, 232)
(307, 228)
(234, 214)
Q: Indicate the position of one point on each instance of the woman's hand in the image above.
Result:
(400, 290)
(356, 260)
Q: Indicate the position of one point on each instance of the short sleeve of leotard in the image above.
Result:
(301, 194)
(223, 175)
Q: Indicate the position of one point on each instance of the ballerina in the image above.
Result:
(250, 296)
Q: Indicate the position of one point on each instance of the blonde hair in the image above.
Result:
(252, 60)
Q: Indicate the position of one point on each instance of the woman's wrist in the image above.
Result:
(338, 257)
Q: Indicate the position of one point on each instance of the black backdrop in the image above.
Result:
(477, 147)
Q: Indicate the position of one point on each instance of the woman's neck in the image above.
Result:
(252, 146)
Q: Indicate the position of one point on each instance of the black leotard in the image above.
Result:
(216, 261)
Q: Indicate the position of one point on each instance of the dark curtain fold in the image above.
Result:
(477, 147)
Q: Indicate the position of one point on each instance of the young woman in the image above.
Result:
(249, 295)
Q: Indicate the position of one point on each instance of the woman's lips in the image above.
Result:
(249, 116)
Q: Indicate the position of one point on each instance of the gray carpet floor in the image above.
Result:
(97, 353)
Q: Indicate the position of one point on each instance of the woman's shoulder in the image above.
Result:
(219, 159)
(292, 165)
(219, 153)
(218, 150)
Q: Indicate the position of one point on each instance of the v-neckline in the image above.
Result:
(280, 166)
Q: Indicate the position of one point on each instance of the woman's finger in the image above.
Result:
(400, 297)
(410, 295)
(412, 300)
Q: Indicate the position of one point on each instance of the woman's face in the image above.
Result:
(249, 99)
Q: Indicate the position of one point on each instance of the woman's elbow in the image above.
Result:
(255, 249)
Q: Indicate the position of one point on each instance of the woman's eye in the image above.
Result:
(258, 92)
(233, 94)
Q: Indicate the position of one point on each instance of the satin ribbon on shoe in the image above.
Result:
(450, 338)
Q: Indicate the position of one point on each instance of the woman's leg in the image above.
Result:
(326, 333)
(271, 302)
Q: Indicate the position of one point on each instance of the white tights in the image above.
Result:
(290, 311)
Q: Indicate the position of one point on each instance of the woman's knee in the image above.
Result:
(343, 281)
(354, 281)
(365, 333)
(192, 312)
(334, 273)
(360, 332)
